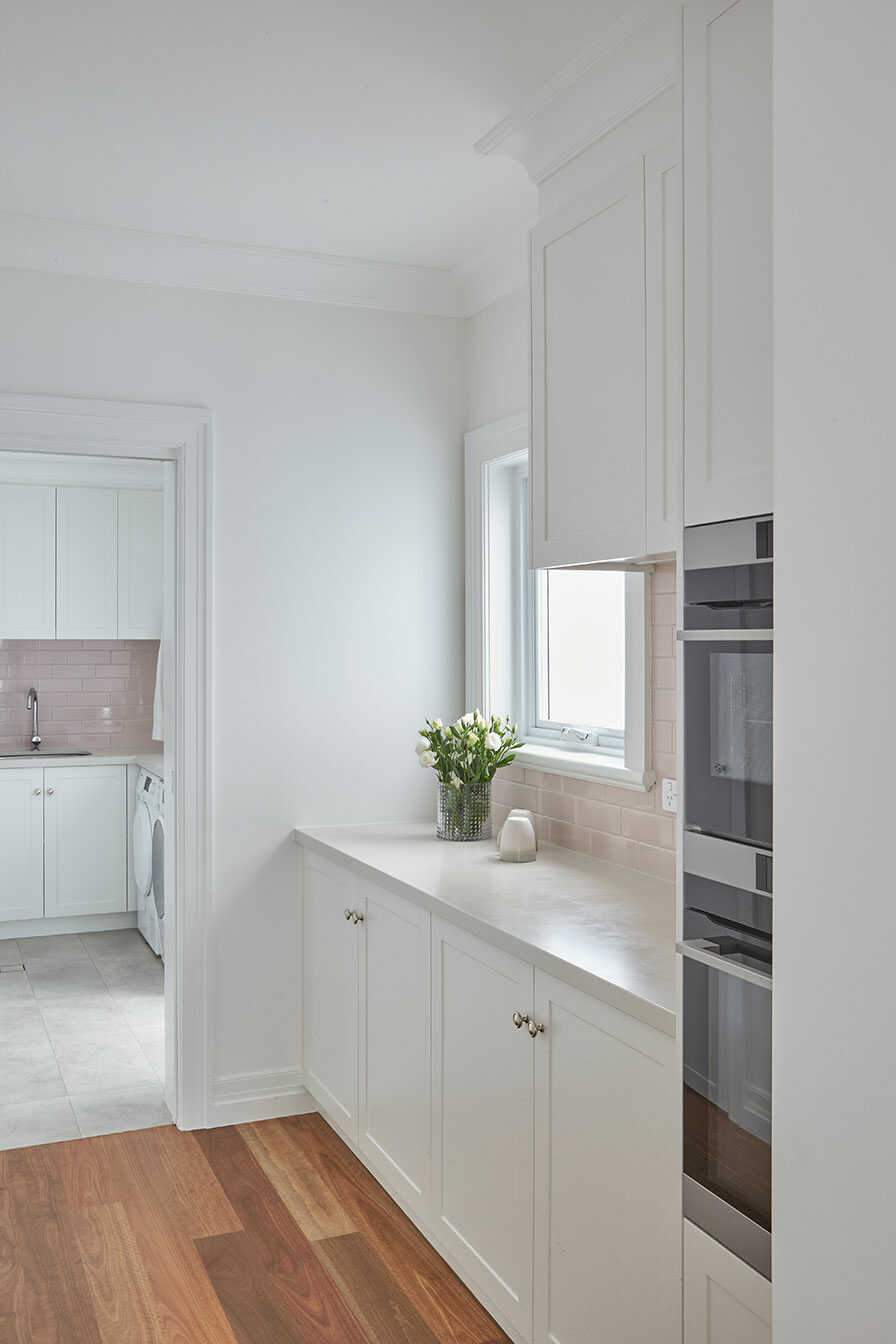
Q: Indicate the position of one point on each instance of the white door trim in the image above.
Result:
(181, 435)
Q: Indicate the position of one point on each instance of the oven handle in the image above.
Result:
(707, 952)
(726, 636)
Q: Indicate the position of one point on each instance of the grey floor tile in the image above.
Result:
(75, 980)
(133, 974)
(114, 1063)
(60, 948)
(68, 1017)
(113, 1112)
(32, 1122)
(28, 1068)
(9, 952)
(15, 990)
(107, 945)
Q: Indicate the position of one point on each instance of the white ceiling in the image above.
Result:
(344, 127)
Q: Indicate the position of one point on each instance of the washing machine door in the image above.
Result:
(142, 850)
(158, 868)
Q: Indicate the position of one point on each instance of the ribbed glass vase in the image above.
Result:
(464, 813)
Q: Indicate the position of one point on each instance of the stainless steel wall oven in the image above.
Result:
(727, 861)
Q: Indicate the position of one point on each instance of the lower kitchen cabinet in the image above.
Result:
(483, 1080)
(331, 993)
(725, 1301)
(85, 840)
(394, 1056)
(22, 844)
(607, 1178)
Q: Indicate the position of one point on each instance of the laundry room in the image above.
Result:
(82, 795)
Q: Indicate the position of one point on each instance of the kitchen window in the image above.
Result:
(563, 651)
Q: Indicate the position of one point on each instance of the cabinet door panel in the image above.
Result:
(589, 378)
(728, 259)
(608, 1179)
(85, 845)
(21, 844)
(725, 1301)
(482, 1122)
(395, 1045)
(664, 349)
(27, 562)
(139, 564)
(331, 993)
(86, 563)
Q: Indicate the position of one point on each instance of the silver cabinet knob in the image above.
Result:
(534, 1028)
(37, 793)
(519, 1019)
(348, 914)
(359, 919)
(51, 791)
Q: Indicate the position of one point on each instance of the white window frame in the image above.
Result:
(488, 449)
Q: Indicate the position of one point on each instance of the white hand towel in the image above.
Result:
(158, 703)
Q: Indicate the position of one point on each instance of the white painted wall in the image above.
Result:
(496, 360)
(338, 573)
(835, 486)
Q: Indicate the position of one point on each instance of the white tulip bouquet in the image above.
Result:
(469, 751)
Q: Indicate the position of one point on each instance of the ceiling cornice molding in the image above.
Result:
(34, 243)
(635, 61)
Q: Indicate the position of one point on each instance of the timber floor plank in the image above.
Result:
(273, 1233)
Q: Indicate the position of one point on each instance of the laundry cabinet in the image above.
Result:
(27, 561)
(108, 563)
(725, 1300)
(63, 837)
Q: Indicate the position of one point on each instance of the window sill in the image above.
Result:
(584, 765)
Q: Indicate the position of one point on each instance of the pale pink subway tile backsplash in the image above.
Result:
(621, 825)
(92, 693)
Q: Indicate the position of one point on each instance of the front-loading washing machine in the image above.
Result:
(149, 859)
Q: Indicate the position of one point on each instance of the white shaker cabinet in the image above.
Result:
(725, 1300)
(21, 844)
(728, 259)
(27, 562)
(86, 563)
(395, 1051)
(139, 564)
(85, 840)
(607, 1173)
(482, 1117)
(588, 424)
(330, 933)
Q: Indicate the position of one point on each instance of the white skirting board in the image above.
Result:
(45, 928)
(239, 1098)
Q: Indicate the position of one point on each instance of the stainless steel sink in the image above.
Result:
(37, 755)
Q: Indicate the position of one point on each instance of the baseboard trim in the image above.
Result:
(45, 928)
(240, 1098)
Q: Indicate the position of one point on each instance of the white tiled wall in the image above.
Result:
(92, 693)
(617, 824)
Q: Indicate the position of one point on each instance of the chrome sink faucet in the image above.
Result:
(31, 703)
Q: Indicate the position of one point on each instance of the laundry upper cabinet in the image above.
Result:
(139, 564)
(728, 259)
(27, 562)
(86, 563)
(606, 369)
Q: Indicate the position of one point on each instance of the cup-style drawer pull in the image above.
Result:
(535, 1028)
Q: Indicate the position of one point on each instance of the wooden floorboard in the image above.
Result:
(273, 1233)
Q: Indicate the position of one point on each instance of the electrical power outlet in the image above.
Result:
(670, 795)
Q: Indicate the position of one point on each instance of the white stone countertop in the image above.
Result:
(151, 759)
(606, 929)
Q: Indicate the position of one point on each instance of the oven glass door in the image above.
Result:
(728, 1088)
(728, 739)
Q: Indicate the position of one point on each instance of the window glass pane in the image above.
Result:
(580, 658)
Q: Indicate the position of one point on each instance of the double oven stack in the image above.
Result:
(727, 861)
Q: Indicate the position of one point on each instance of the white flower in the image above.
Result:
(437, 723)
(493, 741)
(477, 717)
(421, 746)
(427, 758)
(467, 718)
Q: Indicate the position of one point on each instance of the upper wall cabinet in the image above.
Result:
(86, 563)
(728, 259)
(27, 562)
(139, 564)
